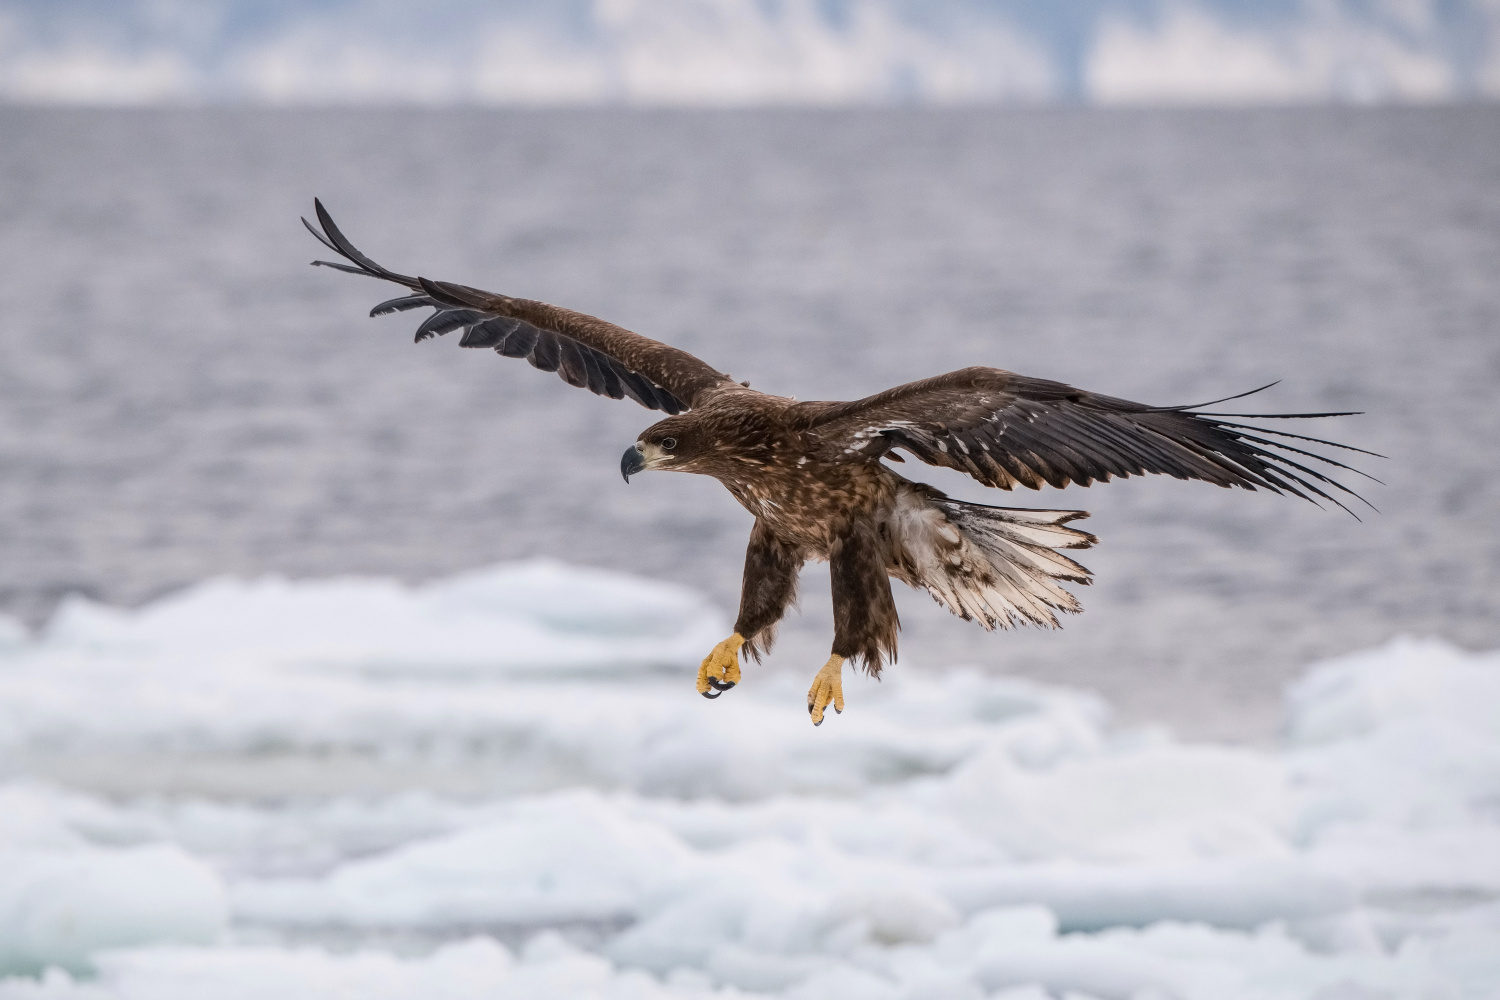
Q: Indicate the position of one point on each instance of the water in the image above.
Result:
(180, 396)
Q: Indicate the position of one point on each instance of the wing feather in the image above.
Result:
(547, 354)
(1004, 429)
(585, 351)
(401, 304)
(490, 333)
(520, 342)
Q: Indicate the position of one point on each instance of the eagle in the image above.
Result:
(815, 474)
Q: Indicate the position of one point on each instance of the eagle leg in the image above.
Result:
(769, 589)
(865, 622)
(721, 667)
(827, 687)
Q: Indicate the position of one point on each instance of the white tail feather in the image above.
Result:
(995, 565)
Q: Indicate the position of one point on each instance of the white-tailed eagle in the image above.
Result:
(812, 472)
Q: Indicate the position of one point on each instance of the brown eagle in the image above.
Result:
(812, 473)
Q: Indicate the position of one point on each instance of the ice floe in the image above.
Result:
(505, 785)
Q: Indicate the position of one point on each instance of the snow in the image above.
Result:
(504, 784)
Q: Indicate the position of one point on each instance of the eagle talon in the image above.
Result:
(827, 689)
(721, 667)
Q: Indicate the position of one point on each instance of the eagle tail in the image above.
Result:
(994, 565)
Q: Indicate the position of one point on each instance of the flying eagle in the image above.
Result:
(812, 473)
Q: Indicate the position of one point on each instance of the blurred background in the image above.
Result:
(1165, 201)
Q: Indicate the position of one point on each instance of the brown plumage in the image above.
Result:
(813, 476)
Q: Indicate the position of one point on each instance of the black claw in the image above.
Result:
(712, 696)
(719, 685)
(820, 721)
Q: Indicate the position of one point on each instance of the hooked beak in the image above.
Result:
(633, 461)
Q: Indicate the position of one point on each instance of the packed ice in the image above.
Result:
(505, 785)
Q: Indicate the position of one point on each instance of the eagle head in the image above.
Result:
(665, 445)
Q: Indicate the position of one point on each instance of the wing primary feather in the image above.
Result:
(1283, 416)
(1212, 402)
(1310, 454)
(1266, 471)
(490, 333)
(349, 269)
(453, 295)
(319, 236)
(401, 304)
(1220, 451)
(1300, 437)
(1311, 488)
(459, 295)
(1282, 460)
(1230, 463)
(1205, 463)
(446, 321)
(342, 246)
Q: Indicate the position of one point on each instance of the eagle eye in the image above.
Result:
(668, 444)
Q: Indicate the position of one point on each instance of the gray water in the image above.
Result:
(180, 396)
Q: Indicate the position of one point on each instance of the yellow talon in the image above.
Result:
(827, 687)
(721, 668)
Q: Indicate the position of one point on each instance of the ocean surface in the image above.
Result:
(181, 397)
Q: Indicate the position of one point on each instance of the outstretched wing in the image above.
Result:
(1003, 429)
(585, 351)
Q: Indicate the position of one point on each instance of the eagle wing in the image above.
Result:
(585, 351)
(1003, 429)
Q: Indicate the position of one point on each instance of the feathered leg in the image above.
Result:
(770, 587)
(864, 615)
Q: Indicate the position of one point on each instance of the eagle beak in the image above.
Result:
(633, 461)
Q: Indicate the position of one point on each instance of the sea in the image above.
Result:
(183, 398)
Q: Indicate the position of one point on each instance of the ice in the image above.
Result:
(76, 877)
(569, 858)
(12, 633)
(505, 784)
(477, 968)
(58, 907)
(528, 616)
(1407, 681)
